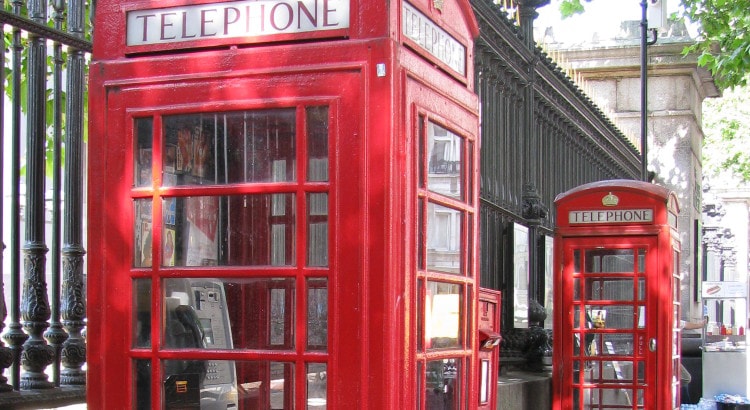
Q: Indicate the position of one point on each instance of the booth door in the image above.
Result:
(611, 291)
(233, 251)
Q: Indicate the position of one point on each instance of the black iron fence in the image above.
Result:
(43, 353)
(541, 135)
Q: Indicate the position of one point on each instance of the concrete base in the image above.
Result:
(518, 390)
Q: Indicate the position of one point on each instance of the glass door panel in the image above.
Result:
(609, 366)
(229, 193)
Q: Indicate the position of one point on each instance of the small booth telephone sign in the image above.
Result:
(616, 307)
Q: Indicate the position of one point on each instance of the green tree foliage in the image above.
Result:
(22, 94)
(723, 43)
(726, 125)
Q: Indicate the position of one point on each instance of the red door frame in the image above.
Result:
(593, 216)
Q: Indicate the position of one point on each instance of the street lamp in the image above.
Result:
(657, 14)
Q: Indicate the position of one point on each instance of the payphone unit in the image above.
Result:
(197, 311)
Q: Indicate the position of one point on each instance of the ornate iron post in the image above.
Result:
(55, 335)
(35, 310)
(6, 355)
(73, 294)
(15, 337)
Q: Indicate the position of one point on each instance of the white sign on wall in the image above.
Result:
(236, 19)
(724, 289)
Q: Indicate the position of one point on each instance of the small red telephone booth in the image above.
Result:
(617, 286)
(283, 205)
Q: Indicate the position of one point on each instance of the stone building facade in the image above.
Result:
(609, 71)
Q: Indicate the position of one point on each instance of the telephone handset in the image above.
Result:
(185, 378)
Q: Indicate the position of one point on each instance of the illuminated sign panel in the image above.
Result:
(236, 19)
(611, 216)
(433, 39)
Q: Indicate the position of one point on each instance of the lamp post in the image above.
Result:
(644, 74)
(644, 90)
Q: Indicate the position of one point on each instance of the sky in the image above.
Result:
(602, 17)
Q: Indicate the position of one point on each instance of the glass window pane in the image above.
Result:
(520, 276)
(549, 281)
(317, 229)
(317, 386)
(143, 161)
(317, 143)
(443, 384)
(420, 141)
(234, 147)
(228, 384)
(421, 311)
(142, 313)
(420, 234)
(142, 377)
(609, 289)
(620, 344)
(229, 230)
(611, 317)
(641, 260)
(216, 313)
(420, 383)
(610, 261)
(444, 247)
(443, 315)
(317, 314)
(279, 307)
(142, 241)
(484, 381)
(445, 162)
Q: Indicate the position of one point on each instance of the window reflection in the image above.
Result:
(442, 315)
(218, 148)
(317, 228)
(444, 226)
(521, 276)
(610, 261)
(317, 386)
(317, 143)
(317, 314)
(143, 152)
(229, 230)
(143, 240)
(445, 159)
(442, 386)
(142, 312)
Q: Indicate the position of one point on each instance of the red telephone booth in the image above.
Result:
(617, 287)
(283, 205)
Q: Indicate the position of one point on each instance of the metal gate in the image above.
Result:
(43, 121)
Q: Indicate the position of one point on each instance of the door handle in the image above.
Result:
(652, 344)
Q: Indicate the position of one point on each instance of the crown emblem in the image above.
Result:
(610, 200)
(438, 4)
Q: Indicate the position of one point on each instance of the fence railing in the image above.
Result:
(43, 353)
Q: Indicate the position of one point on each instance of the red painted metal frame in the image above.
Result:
(661, 232)
(372, 186)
